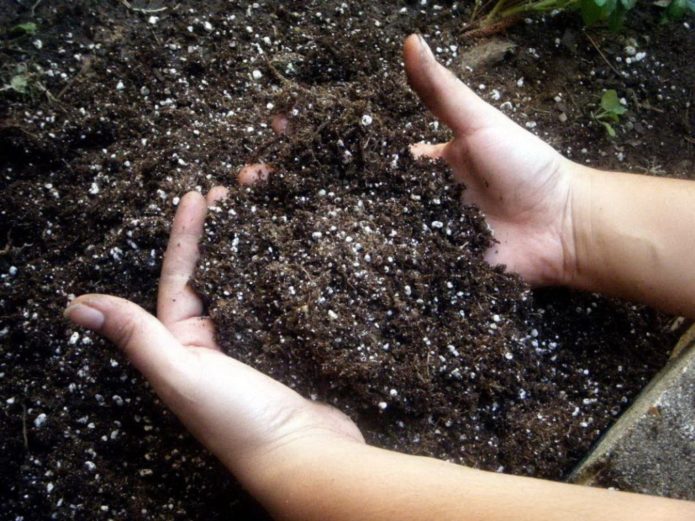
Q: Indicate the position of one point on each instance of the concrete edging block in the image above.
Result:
(651, 448)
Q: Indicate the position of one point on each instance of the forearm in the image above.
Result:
(634, 236)
(348, 481)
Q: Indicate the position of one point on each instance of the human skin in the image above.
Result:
(556, 222)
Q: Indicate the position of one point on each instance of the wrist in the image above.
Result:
(578, 227)
(265, 469)
(281, 477)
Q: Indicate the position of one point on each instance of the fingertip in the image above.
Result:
(449, 99)
(192, 196)
(416, 54)
(411, 45)
(191, 202)
(422, 149)
(254, 173)
(191, 209)
(85, 316)
(216, 194)
(83, 312)
(279, 123)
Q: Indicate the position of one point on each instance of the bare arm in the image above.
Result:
(348, 481)
(634, 237)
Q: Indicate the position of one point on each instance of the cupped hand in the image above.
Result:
(522, 185)
(242, 416)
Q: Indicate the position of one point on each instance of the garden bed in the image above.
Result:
(129, 110)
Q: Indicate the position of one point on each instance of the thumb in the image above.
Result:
(150, 346)
(449, 99)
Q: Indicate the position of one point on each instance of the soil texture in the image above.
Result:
(353, 275)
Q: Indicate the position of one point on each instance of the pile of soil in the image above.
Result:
(127, 110)
(355, 276)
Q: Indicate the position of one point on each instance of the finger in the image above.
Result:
(177, 300)
(195, 332)
(146, 342)
(254, 173)
(215, 195)
(279, 124)
(449, 99)
(422, 149)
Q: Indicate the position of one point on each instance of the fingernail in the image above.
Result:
(424, 46)
(85, 316)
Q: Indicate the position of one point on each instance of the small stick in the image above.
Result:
(33, 7)
(85, 66)
(603, 55)
(483, 31)
(156, 38)
(276, 73)
(144, 10)
(24, 427)
(48, 94)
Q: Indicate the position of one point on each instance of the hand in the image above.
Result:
(245, 418)
(522, 185)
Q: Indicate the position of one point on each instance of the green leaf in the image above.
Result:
(29, 28)
(591, 13)
(691, 5)
(617, 18)
(596, 10)
(609, 128)
(676, 9)
(608, 8)
(19, 83)
(629, 4)
(610, 101)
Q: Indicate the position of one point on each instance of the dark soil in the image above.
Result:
(124, 115)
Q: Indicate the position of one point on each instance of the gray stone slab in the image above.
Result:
(651, 448)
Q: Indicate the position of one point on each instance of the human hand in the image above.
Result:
(245, 418)
(523, 186)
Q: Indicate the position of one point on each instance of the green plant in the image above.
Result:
(27, 28)
(675, 9)
(510, 8)
(610, 111)
(610, 12)
(19, 83)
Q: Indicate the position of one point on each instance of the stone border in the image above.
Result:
(651, 448)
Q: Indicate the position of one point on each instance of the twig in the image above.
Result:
(648, 106)
(156, 38)
(48, 94)
(276, 73)
(489, 30)
(85, 66)
(144, 10)
(689, 139)
(24, 427)
(603, 55)
(33, 7)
